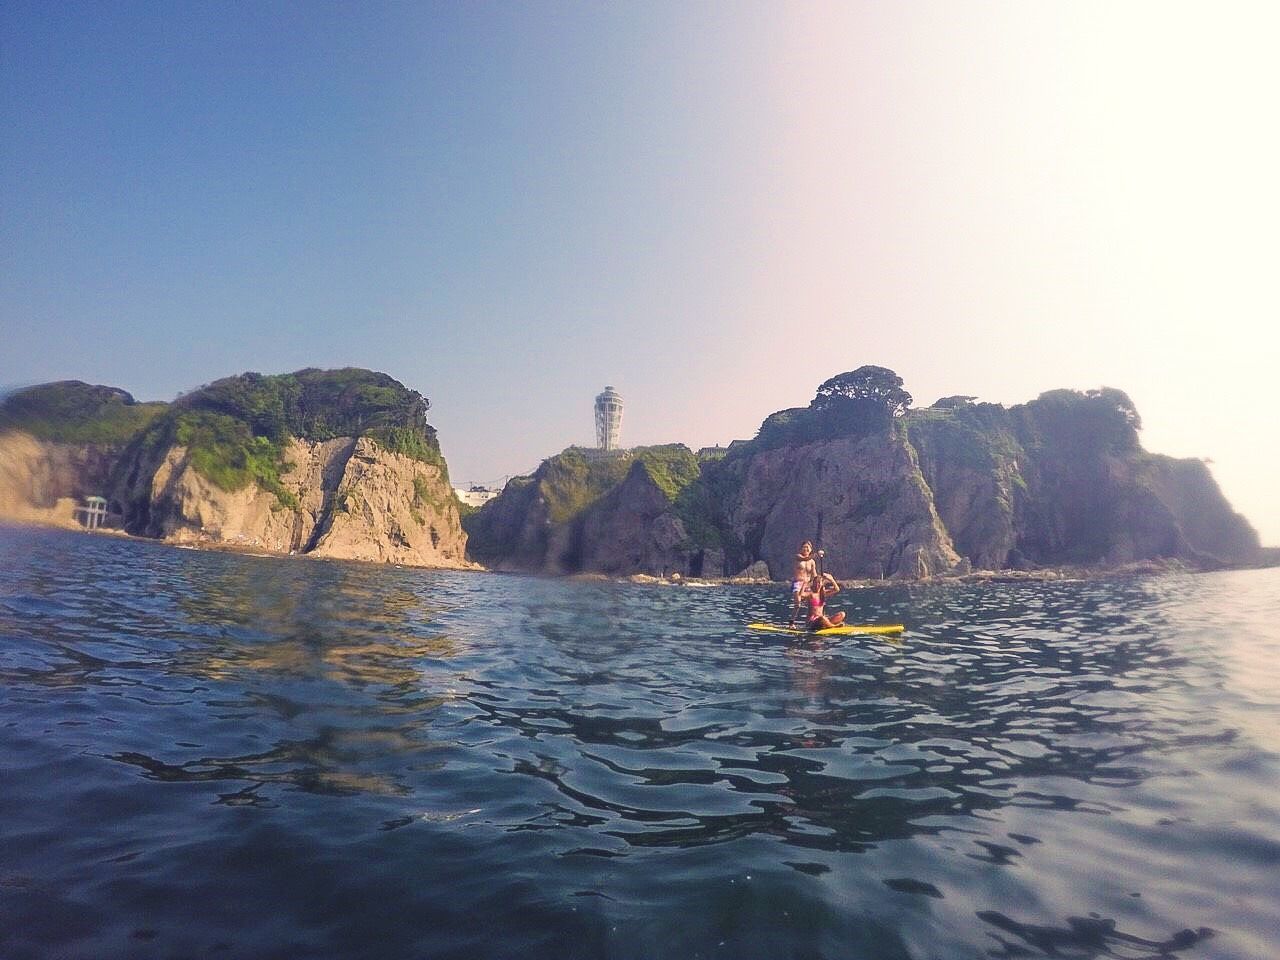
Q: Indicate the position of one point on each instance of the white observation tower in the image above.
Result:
(608, 419)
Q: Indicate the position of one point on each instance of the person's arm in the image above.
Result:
(831, 582)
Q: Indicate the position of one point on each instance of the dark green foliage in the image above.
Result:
(952, 403)
(494, 529)
(236, 429)
(869, 387)
(701, 507)
(572, 481)
(1074, 442)
(801, 425)
(75, 412)
(975, 435)
(1103, 419)
(322, 404)
(855, 404)
(779, 429)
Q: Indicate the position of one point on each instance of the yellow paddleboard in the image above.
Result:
(844, 628)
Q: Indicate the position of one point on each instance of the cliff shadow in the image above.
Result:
(330, 480)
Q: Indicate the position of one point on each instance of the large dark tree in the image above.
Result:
(1105, 417)
(869, 384)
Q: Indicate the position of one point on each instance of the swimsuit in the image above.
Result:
(815, 610)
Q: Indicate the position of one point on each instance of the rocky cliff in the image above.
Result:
(345, 498)
(886, 490)
(1064, 480)
(331, 463)
(634, 528)
(862, 498)
(580, 511)
(42, 481)
(59, 443)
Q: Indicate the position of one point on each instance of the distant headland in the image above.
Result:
(344, 464)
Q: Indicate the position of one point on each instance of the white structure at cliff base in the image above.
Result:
(608, 419)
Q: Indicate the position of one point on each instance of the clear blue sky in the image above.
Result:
(711, 206)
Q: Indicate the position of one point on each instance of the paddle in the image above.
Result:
(817, 555)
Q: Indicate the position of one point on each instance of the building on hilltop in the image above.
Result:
(608, 420)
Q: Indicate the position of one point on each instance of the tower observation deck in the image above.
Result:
(608, 419)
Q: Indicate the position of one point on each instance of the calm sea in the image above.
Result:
(207, 755)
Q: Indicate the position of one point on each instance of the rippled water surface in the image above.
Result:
(215, 755)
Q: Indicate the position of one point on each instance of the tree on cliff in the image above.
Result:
(869, 384)
(860, 401)
(957, 402)
(1102, 418)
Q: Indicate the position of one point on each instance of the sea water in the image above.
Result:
(206, 754)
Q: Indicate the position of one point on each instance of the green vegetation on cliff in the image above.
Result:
(515, 527)
(697, 487)
(236, 429)
(71, 411)
(228, 455)
(854, 404)
(320, 405)
(960, 432)
(1072, 423)
(1061, 479)
(573, 480)
(672, 467)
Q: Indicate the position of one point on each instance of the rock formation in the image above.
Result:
(42, 481)
(233, 464)
(631, 529)
(355, 501)
(888, 491)
(59, 443)
(342, 463)
(862, 498)
(1064, 480)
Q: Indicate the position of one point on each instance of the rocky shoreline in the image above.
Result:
(342, 464)
(246, 548)
(1144, 568)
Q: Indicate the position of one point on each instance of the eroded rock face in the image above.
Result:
(512, 531)
(633, 530)
(356, 501)
(863, 499)
(392, 509)
(977, 488)
(1186, 488)
(41, 481)
(1015, 490)
(170, 500)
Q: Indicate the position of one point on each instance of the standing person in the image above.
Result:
(806, 568)
(821, 587)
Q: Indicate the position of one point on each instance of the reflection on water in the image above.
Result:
(1083, 937)
(267, 758)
